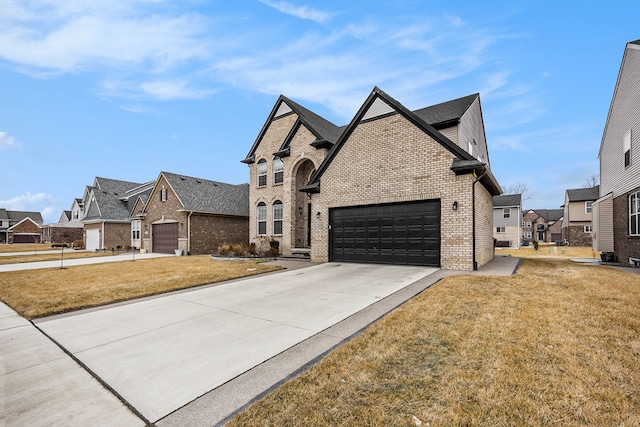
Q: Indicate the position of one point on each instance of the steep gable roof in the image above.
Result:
(111, 199)
(507, 200)
(26, 218)
(321, 128)
(548, 214)
(447, 113)
(384, 105)
(583, 194)
(19, 216)
(203, 195)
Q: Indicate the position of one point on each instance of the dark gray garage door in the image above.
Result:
(165, 238)
(396, 233)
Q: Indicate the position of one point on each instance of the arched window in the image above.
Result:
(277, 217)
(262, 218)
(262, 173)
(278, 170)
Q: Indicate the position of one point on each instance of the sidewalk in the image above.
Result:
(77, 261)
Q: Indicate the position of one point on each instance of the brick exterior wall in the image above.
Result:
(303, 159)
(115, 234)
(210, 231)
(576, 236)
(390, 160)
(27, 227)
(159, 212)
(625, 246)
(63, 235)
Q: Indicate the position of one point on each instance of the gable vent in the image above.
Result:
(282, 110)
(378, 108)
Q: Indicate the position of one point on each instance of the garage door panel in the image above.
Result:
(400, 233)
(165, 238)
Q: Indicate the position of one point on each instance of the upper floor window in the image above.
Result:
(588, 206)
(262, 173)
(262, 218)
(528, 224)
(277, 217)
(163, 195)
(278, 171)
(627, 149)
(506, 213)
(634, 214)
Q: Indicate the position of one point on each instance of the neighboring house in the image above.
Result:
(107, 205)
(394, 186)
(68, 229)
(192, 214)
(576, 220)
(542, 225)
(507, 220)
(616, 215)
(20, 227)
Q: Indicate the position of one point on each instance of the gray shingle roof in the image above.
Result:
(108, 193)
(15, 217)
(203, 195)
(583, 194)
(322, 126)
(549, 214)
(507, 200)
(447, 113)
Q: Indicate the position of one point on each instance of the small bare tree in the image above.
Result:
(592, 181)
(518, 188)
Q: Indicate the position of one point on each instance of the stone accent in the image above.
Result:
(625, 246)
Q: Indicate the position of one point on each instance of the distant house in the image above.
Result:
(107, 207)
(394, 186)
(20, 227)
(576, 221)
(68, 229)
(616, 214)
(542, 225)
(192, 214)
(507, 220)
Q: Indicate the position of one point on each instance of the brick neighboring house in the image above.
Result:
(69, 227)
(20, 227)
(393, 186)
(192, 214)
(107, 205)
(576, 221)
(542, 225)
(507, 220)
(616, 213)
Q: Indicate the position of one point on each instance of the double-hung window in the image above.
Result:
(500, 230)
(262, 173)
(278, 171)
(262, 218)
(588, 207)
(277, 217)
(634, 214)
(506, 213)
(135, 230)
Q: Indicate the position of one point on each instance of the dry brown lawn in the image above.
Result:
(37, 293)
(25, 247)
(30, 257)
(551, 251)
(556, 344)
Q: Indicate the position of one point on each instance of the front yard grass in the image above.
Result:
(68, 254)
(556, 344)
(25, 247)
(550, 251)
(38, 293)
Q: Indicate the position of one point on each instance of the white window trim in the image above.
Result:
(278, 218)
(262, 218)
(262, 173)
(163, 195)
(506, 213)
(627, 147)
(501, 229)
(634, 214)
(278, 169)
(587, 229)
(588, 207)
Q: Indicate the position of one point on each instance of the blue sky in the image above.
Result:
(126, 89)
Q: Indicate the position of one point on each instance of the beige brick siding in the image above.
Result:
(286, 192)
(390, 160)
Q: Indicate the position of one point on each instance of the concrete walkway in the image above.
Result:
(76, 261)
(195, 357)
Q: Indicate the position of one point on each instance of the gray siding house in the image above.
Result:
(507, 220)
(616, 213)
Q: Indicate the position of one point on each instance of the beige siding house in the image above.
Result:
(576, 221)
(616, 214)
(389, 187)
(507, 220)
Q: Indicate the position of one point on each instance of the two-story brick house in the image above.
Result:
(393, 186)
(616, 214)
(20, 226)
(542, 225)
(576, 220)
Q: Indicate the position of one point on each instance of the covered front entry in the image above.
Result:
(395, 233)
(165, 238)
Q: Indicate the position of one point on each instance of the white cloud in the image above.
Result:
(167, 90)
(8, 141)
(302, 12)
(39, 202)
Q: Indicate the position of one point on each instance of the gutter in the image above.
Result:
(473, 217)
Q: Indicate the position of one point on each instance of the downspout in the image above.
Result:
(189, 233)
(473, 218)
(102, 235)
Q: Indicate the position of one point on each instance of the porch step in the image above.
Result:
(298, 253)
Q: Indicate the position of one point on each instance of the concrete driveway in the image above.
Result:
(160, 354)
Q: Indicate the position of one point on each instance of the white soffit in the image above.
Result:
(378, 108)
